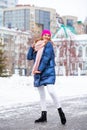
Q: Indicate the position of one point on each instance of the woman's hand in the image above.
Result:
(36, 72)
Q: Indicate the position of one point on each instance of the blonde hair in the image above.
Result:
(41, 38)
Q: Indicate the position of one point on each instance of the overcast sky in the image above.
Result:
(63, 7)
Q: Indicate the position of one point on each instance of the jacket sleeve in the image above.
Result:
(47, 54)
(30, 54)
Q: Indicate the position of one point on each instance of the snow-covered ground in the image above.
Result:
(19, 89)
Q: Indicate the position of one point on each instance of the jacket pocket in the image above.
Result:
(37, 80)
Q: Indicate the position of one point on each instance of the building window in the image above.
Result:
(42, 18)
(70, 22)
(73, 52)
(86, 52)
(80, 66)
(80, 52)
(86, 29)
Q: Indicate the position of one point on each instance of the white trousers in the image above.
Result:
(52, 93)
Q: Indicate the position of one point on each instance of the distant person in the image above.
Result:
(42, 53)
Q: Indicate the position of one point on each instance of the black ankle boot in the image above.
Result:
(43, 117)
(62, 116)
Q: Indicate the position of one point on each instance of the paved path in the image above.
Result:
(21, 117)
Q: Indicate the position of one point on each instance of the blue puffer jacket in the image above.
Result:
(46, 66)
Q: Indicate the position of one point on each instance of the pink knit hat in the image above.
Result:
(46, 32)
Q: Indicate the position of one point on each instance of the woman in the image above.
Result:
(42, 53)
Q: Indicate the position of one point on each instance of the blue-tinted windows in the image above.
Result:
(43, 18)
(70, 22)
(17, 19)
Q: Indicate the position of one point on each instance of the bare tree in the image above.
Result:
(2, 60)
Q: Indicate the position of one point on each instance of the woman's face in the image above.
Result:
(46, 37)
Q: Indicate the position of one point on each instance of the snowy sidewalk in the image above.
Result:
(22, 117)
(19, 104)
(19, 90)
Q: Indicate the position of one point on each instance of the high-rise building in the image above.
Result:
(11, 3)
(2, 6)
(6, 4)
(26, 17)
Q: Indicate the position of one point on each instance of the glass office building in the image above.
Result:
(27, 19)
(2, 6)
(11, 3)
(42, 18)
(30, 18)
(6, 4)
(17, 19)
